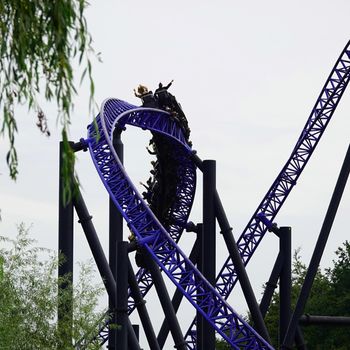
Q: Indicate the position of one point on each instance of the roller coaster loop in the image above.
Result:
(160, 238)
(262, 219)
(143, 223)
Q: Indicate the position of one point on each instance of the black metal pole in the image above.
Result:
(65, 249)
(271, 285)
(115, 217)
(209, 240)
(285, 237)
(95, 245)
(247, 289)
(299, 340)
(199, 317)
(136, 329)
(231, 245)
(309, 320)
(122, 296)
(141, 308)
(115, 236)
(176, 300)
(100, 259)
(318, 251)
(165, 301)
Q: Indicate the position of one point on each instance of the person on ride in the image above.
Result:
(163, 97)
(146, 96)
(168, 102)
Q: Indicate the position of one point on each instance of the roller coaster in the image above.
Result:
(158, 216)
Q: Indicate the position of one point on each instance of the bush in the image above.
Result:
(29, 290)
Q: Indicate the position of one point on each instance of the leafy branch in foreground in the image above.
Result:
(29, 297)
(40, 40)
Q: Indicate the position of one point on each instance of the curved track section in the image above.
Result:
(121, 114)
(267, 210)
(147, 228)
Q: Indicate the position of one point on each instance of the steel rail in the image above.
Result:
(263, 217)
(147, 228)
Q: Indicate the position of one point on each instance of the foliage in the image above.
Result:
(40, 41)
(221, 345)
(29, 291)
(329, 297)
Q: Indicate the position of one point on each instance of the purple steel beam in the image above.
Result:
(267, 210)
(186, 170)
(148, 230)
(124, 114)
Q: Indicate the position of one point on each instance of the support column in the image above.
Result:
(136, 329)
(177, 298)
(165, 301)
(242, 275)
(318, 251)
(65, 249)
(115, 236)
(200, 320)
(231, 245)
(209, 240)
(271, 285)
(122, 296)
(141, 308)
(100, 259)
(285, 281)
(299, 340)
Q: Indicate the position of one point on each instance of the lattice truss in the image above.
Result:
(162, 245)
(272, 202)
(148, 230)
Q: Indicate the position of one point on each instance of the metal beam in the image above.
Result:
(100, 259)
(236, 258)
(208, 249)
(121, 313)
(141, 308)
(65, 249)
(177, 298)
(285, 238)
(165, 301)
(318, 251)
(115, 236)
(247, 289)
(271, 285)
(310, 320)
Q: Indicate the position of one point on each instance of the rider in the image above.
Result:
(146, 96)
(163, 97)
(167, 101)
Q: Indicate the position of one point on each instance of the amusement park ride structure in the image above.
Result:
(158, 217)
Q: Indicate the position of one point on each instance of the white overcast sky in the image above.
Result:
(247, 74)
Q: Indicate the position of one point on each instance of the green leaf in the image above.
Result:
(36, 50)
